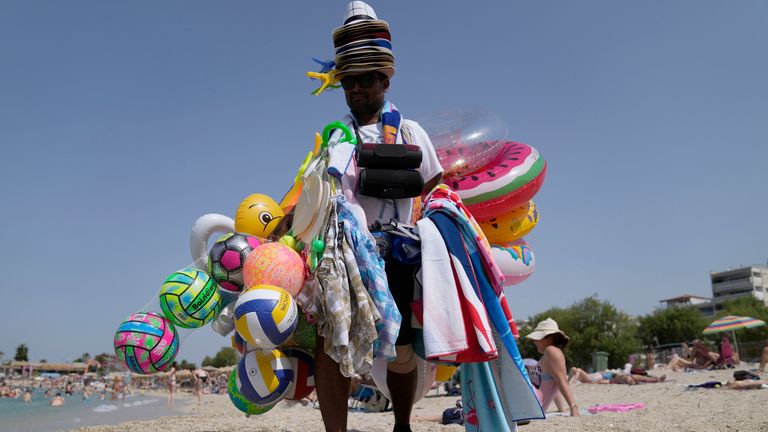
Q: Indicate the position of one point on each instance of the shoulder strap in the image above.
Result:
(407, 134)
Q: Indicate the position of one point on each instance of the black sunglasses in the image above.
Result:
(365, 80)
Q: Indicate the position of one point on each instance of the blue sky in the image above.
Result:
(122, 122)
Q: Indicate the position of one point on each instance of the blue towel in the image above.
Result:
(519, 395)
(483, 410)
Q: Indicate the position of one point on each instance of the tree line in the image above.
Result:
(594, 325)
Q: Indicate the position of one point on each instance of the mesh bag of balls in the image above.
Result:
(258, 280)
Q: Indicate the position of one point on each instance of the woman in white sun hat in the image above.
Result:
(550, 341)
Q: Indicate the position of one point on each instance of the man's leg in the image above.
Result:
(402, 378)
(332, 390)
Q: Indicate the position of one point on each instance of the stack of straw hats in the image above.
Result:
(363, 44)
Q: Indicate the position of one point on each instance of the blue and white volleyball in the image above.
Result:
(265, 316)
(263, 376)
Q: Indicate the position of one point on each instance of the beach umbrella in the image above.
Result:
(732, 323)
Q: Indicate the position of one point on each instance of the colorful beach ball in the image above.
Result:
(265, 316)
(146, 342)
(303, 365)
(263, 376)
(190, 298)
(274, 264)
(226, 259)
(240, 402)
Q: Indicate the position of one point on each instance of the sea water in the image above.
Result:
(40, 416)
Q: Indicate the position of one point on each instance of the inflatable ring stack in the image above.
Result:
(499, 195)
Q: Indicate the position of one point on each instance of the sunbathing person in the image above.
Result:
(703, 357)
(607, 377)
(580, 375)
(747, 385)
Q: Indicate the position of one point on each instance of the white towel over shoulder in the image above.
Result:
(443, 324)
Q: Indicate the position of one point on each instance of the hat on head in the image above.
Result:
(546, 328)
(363, 44)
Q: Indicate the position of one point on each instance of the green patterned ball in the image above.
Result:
(239, 401)
(190, 298)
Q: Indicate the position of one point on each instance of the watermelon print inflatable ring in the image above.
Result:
(511, 179)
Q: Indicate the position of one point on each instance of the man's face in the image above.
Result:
(365, 92)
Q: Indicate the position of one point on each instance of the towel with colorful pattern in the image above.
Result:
(442, 198)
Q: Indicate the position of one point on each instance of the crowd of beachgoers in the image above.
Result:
(54, 389)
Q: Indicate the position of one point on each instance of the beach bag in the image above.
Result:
(453, 416)
(741, 375)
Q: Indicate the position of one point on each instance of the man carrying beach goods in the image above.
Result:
(364, 66)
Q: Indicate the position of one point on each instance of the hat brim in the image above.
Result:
(541, 334)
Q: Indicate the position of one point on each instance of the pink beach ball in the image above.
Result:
(274, 264)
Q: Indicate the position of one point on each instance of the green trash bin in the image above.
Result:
(600, 361)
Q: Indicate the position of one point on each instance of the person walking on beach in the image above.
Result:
(197, 389)
(365, 65)
(171, 384)
(550, 342)
(763, 358)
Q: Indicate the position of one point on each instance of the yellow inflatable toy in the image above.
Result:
(512, 225)
(258, 215)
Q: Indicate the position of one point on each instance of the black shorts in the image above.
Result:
(401, 279)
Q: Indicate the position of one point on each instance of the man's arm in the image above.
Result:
(428, 186)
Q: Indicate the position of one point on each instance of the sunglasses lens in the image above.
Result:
(348, 83)
(365, 81)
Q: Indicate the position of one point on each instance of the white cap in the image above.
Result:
(359, 11)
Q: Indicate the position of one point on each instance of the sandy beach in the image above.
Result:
(669, 407)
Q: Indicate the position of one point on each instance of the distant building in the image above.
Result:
(740, 282)
(703, 304)
(726, 285)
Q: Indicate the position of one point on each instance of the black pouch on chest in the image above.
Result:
(388, 171)
(388, 156)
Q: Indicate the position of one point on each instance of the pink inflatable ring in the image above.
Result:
(509, 180)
